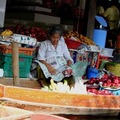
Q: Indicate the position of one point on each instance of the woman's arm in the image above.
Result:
(49, 67)
(42, 59)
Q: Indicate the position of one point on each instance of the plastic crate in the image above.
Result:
(8, 50)
(72, 44)
(24, 65)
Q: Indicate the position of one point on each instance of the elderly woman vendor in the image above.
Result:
(54, 54)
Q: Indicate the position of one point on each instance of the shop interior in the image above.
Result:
(77, 15)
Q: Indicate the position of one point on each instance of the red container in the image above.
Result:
(72, 44)
(8, 50)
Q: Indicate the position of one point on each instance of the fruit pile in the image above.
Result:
(6, 32)
(86, 40)
(99, 92)
(107, 81)
(35, 32)
(78, 37)
(111, 82)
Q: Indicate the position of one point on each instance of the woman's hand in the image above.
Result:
(51, 69)
(69, 62)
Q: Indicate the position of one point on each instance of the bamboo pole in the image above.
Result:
(15, 63)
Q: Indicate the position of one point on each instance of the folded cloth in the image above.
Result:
(62, 72)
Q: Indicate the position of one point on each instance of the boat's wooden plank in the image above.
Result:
(24, 82)
(64, 99)
(57, 109)
(1, 91)
(60, 103)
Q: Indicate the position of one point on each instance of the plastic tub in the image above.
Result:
(92, 73)
(24, 65)
(114, 91)
(107, 52)
(99, 37)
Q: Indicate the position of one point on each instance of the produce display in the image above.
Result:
(34, 32)
(74, 35)
(40, 35)
(107, 83)
(111, 81)
(6, 32)
(77, 88)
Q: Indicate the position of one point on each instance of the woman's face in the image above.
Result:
(55, 38)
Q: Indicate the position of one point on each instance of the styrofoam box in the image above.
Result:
(25, 39)
(107, 52)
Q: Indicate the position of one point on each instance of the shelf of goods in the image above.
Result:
(25, 55)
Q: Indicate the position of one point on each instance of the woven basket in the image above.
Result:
(114, 68)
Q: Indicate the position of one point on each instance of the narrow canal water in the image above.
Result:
(90, 117)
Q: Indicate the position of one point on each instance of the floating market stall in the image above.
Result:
(54, 101)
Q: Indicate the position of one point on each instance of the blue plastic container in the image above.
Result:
(92, 73)
(114, 91)
(99, 37)
(100, 31)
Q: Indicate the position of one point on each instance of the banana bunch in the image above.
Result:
(78, 88)
(7, 32)
(57, 87)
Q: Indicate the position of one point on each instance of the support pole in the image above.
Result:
(15, 63)
(91, 18)
(2, 12)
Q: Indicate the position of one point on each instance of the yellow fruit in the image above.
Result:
(7, 33)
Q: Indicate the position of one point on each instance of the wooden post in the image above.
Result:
(15, 63)
(91, 18)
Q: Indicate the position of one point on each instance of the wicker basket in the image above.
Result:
(114, 68)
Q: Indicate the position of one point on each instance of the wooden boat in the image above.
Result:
(59, 103)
